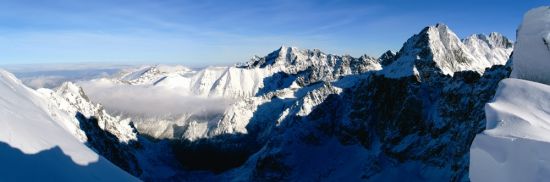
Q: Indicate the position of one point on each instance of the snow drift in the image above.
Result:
(516, 142)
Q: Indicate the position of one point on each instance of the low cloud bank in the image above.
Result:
(150, 101)
(44, 81)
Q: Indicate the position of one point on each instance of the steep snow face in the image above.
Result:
(516, 143)
(35, 146)
(532, 50)
(438, 45)
(112, 137)
(494, 49)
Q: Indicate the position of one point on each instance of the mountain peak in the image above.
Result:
(438, 49)
(441, 26)
(387, 58)
(282, 56)
(439, 29)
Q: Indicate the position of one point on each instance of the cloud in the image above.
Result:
(149, 101)
(53, 75)
(43, 81)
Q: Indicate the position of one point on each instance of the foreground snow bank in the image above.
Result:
(516, 143)
(532, 50)
(35, 147)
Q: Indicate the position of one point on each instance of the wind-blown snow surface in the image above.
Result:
(532, 50)
(516, 143)
(35, 147)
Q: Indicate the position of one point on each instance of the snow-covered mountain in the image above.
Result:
(440, 46)
(516, 141)
(413, 112)
(36, 146)
(245, 80)
(112, 137)
(416, 117)
(284, 67)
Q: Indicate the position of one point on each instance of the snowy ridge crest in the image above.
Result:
(69, 99)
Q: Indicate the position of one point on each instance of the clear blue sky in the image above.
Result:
(204, 32)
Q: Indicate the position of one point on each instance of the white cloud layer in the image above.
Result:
(150, 101)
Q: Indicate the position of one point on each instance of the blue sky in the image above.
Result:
(199, 33)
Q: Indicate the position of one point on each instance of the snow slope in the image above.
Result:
(516, 143)
(229, 82)
(36, 147)
(532, 52)
(69, 99)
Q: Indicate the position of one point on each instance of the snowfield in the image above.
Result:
(34, 147)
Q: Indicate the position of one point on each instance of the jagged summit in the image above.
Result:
(437, 49)
(387, 58)
(282, 56)
(292, 60)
